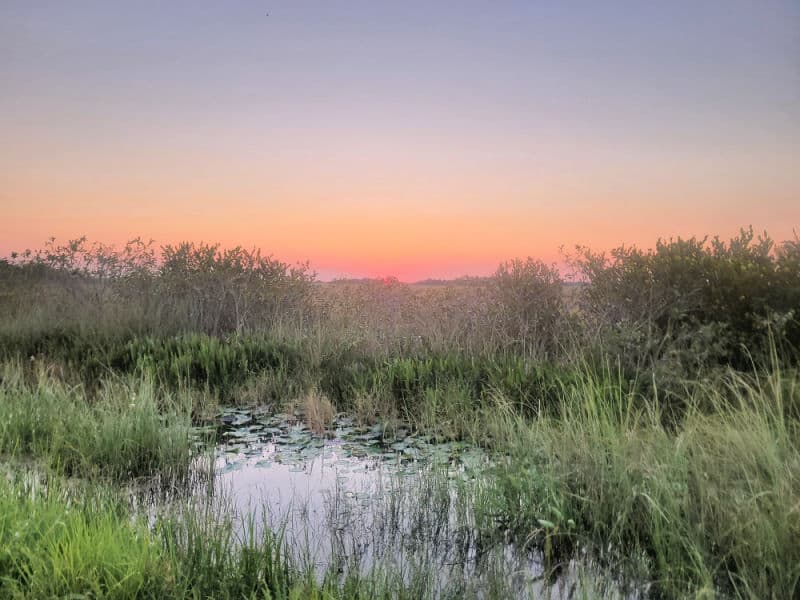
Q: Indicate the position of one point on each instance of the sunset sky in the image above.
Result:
(417, 139)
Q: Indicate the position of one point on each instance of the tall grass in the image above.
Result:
(129, 428)
(57, 544)
(263, 371)
(710, 503)
(703, 503)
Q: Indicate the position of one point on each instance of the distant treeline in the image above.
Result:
(678, 309)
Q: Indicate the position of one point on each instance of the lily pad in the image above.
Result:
(230, 467)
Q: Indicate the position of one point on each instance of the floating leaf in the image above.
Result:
(230, 467)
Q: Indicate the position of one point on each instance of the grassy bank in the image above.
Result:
(128, 428)
(708, 504)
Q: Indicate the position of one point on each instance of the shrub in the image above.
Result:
(234, 290)
(694, 303)
(528, 300)
(186, 287)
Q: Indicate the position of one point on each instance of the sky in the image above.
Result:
(414, 139)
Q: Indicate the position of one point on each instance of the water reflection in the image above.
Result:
(358, 499)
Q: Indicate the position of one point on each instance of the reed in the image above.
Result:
(128, 429)
(707, 504)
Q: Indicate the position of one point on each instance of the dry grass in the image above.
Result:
(393, 315)
(375, 407)
(318, 411)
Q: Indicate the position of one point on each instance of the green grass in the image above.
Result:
(128, 428)
(712, 503)
(53, 544)
(708, 501)
(56, 542)
(427, 388)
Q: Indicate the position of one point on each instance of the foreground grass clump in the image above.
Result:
(58, 543)
(53, 544)
(708, 504)
(127, 429)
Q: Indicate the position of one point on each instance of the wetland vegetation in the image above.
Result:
(633, 432)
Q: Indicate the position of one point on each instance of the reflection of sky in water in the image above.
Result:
(316, 488)
(362, 498)
(301, 491)
(352, 496)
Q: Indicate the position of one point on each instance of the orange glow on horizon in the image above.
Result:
(383, 139)
(462, 223)
(375, 243)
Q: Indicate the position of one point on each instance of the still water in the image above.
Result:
(364, 498)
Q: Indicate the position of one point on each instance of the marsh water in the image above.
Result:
(355, 494)
(366, 498)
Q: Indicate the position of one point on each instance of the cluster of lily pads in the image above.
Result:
(260, 439)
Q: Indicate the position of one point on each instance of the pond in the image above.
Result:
(367, 498)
